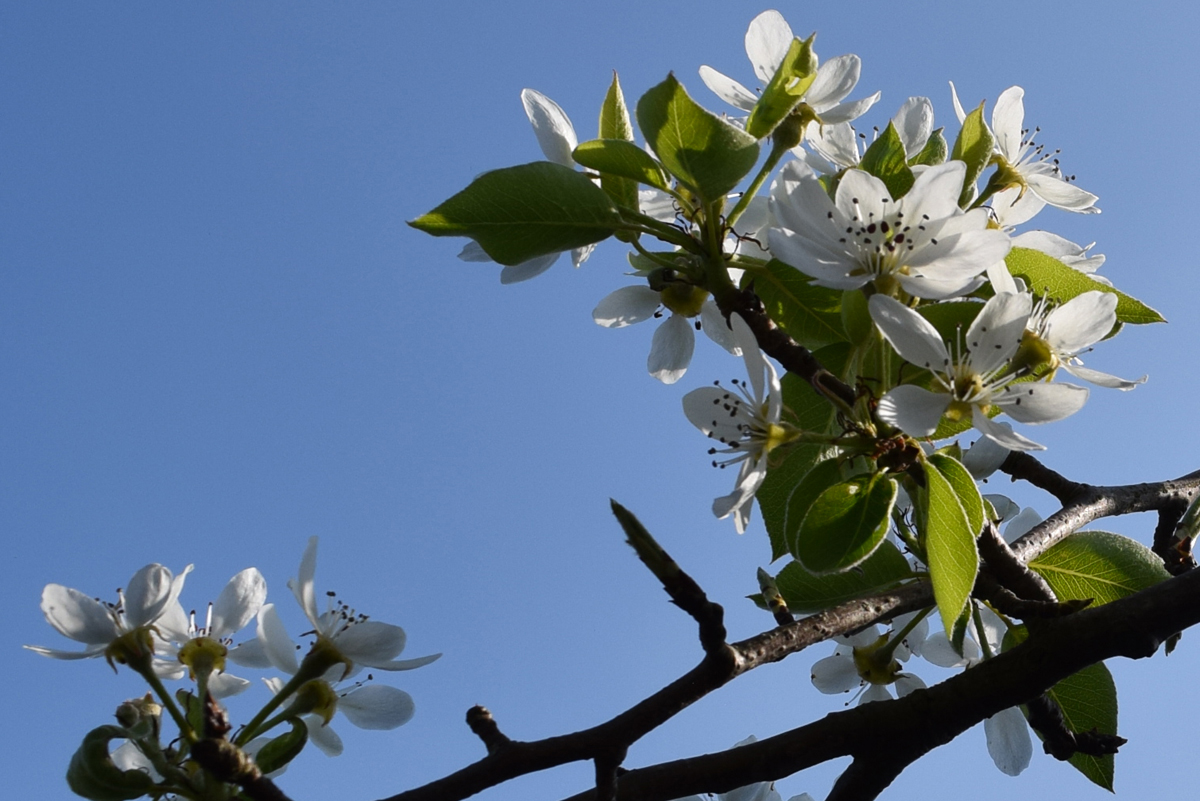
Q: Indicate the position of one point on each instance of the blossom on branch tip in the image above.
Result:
(767, 41)
(98, 625)
(921, 243)
(974, 378)
(1056, 336)
(1022, 163)
(869, 661)
(746, 420)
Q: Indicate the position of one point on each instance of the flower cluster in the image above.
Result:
(148, 630)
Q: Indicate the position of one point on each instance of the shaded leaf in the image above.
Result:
(517, 213)
(886, 160)
(964, 487)
(973, 147)
(1098, 565)
(1088, 700)
(809, 314)
(795, 75)
(616, 157)
(934, 152)
(949, 544)
(846, 523)
(699, 148)
(806, 592)
(1046, 275)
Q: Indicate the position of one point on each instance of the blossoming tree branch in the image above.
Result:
(901, 325)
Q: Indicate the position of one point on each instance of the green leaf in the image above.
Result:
(885, 159)
(699, 148)
(1088, 701)
(614, 115)
(811, 413)
(846, 523)
(1098, 565)
(934, 152)
(616, 157)
(809, 314)
(973, 147)
(521, 212)
(92, 773)
(806, 592)
(804, 494)
(283, 749)
(950, 318)
(795, 75)
(1046, 275)
(964, 487)
(949, 544)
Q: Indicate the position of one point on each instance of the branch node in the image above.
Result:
(1046, 718)
(484, 726)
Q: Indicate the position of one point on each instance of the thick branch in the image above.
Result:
(881, 734)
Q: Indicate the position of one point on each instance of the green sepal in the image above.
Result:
(846, 523)
(283, 749)
(519, 213)
(806, 592)
(795, 75)
(812, 412)
(700, 149)
(886, 160)
(1046, 275)
(964, 487)
(618, 159)
(949, 545)
(92, 773)
(808, 313)
(934, 152)
(1098, 565)
(973, 147)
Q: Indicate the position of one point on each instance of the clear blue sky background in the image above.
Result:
(218, 337)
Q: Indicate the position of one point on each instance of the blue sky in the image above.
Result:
(218, 337)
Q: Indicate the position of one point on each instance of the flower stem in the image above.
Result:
(185, 729)
(256, 723)
(744, 202)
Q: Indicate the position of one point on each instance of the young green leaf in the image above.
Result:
(964, 488)
(949, 544)
(699, 148)
(973, 147)
(283, 749)
(934, 152)
(616, 157)
(614, 115)
(846, 523)
(521, 212)
(809, 314)
(1046, 275)
(1098, 565)
(1088, 701)
(795, 75)
(92, 774)
(812, 413)
(806, 592)
(885, 159)
(803, 494)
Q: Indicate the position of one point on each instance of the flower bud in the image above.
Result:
(141, 716)
(316, 697)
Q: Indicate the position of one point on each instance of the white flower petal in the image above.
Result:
(377, 706)
(876, 692)
(276, 643)
(516, 273)
(371, 641)
(846, 112)
(1021, 524)
(406, 664)
(302, 585)
(555, 134)
(1008, 741)
(985, 456)
(996, 332)
(1001, 434)
(1081, 322)
(1058, 192)
(914, 123)
(87, 653)
(1103, 379)
(77, 616)
(127, 756)
(1007, 118)
(223, 685)
(913, 337)
(147, 595)
(238, 603)
(914, 410)
(626, 306)
(323, 737)
(906, 683)
(767, 41)
(714, 325)
(473, 251)
(671, 349)
(1038, 402)
(835, 674)
(251, 654)
(958, 109)
(938, 651)
(836, 79)
(728, 89)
